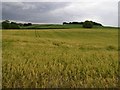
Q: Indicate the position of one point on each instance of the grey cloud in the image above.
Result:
(32, 11)
(59, 0)
(57, 12)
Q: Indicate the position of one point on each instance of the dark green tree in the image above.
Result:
(14, 26)
(87, 24)
(6, 24)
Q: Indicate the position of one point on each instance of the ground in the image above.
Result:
(60, 58)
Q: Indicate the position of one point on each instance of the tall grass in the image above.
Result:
(80, 58)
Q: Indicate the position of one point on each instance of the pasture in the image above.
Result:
(60, 58)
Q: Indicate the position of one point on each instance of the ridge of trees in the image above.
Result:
(81, 23)
(6, 24)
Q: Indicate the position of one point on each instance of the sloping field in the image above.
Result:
(80, 58)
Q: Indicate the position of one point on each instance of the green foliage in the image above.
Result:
(64, 58)
(7, 25)
(87, 24)
(14, 26)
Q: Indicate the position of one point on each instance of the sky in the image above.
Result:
(49, 11)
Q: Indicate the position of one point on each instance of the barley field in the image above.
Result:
(64, 58)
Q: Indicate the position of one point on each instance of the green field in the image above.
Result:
(60, 58)
(57, 26)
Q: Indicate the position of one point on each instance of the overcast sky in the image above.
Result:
(105, 12)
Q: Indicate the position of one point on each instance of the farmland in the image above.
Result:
(60, 58)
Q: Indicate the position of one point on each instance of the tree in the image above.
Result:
(97, 24)
(27, 24)
(64, 23)
(14, 25)
(7, 25)
(87, 24)
(20, 24)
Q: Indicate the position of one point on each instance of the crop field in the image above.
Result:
(60, 58)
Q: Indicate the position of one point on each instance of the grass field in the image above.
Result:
(81, 58)
(51, 26)
(57, 26)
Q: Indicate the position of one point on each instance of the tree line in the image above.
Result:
(6, 24)
(86, 24)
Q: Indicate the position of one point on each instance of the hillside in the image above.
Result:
(80, 58)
